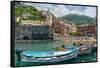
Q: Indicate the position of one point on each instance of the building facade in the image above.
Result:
(34, 32)
(35, 29)
(88, 30)
(63, 27)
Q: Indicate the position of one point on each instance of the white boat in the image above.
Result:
(83, 49)
(49, 56)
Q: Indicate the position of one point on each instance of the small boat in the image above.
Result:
(83, 49)
(49, 56)
(94, 48)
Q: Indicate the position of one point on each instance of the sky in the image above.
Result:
(61, 10)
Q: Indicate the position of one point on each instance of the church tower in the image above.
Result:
(49, 18)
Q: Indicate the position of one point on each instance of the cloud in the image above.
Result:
(90, 11)
(61, 10)
(82, 10)
(71, 7)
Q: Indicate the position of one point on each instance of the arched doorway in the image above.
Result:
(25, 38)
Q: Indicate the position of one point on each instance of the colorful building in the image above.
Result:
(88, 30)
(63, 27)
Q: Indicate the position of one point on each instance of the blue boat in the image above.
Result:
(49, 56)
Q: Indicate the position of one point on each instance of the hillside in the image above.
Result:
(21, 8)
(79, 19)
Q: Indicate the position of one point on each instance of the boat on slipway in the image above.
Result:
(49, 56)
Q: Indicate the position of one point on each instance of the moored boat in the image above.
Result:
(83, 49)
(49, 56)
(94, 48)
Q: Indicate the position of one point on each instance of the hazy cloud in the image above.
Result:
(61, 10)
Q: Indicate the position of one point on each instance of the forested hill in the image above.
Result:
(79, 19)
(21, 8)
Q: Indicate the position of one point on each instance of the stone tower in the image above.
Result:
(49, 17)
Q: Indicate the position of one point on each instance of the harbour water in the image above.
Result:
(50, 45)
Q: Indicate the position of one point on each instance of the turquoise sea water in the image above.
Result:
(50, 45)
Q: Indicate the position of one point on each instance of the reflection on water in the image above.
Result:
(46, 45)
(49, 45)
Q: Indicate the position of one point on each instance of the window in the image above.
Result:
(23, 28)
(28, 28)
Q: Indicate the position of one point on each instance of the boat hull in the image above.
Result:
(86, 50)
(53, 59)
